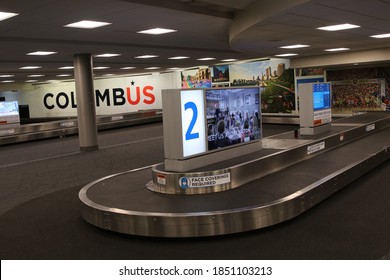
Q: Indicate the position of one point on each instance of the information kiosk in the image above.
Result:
(315, 114)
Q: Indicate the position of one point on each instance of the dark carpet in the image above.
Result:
(352, 224)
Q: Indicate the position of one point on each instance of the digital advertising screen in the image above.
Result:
(9, 112)
(233, 116)
(321, 96)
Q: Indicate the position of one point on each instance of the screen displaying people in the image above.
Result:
(233, 116)
(9, 112)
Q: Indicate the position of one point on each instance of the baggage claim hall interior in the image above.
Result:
(194, 130)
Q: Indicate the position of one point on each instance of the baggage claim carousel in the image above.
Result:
(288, 176)
(10, 134)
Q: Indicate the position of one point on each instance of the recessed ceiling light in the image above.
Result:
(87, 24)
(8, 81)
(66, 68)
(152, 68)
(6, 76)
(108, 55)
(174, 68)
(36, 76)
(128, 68)
(42, 53)
(5, 15)
(337, 49)
(30, 67)
(147, 56)
(206, 58)
(298, 46)
(100, 67)
(286, 54)
(157, 31)
(338, 27)
(63, 75)
(179, 57)
(229, 60)
(381, 36)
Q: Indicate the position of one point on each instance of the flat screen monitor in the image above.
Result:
(9, 112)
(233, 116)
(321, 96)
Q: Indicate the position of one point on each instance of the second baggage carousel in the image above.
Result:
(353, 147)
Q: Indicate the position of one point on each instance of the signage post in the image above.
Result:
(315, 114)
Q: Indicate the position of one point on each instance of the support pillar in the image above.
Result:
(86, 109)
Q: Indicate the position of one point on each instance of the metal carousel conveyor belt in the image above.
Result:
(122, 203)
(29, 132)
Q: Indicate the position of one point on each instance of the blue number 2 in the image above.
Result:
(189, 134)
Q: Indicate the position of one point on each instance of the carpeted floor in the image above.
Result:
(352, 224)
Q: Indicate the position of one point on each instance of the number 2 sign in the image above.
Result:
(193, 122)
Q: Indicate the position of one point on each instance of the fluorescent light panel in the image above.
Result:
(179, 57)
(229, 60)
(6, 76)
(108, 55)
(298, 46)
(146, 56)
(100, 67)
(36, 76)
(41, 53)
(338, 27)
(157, 31)
(5, 15)
(66, 68)
(381, 36)
(30, 67)
(128, 68)
(337, 49)
(206, 58)
(286, 54)
(87, 24)
(152, 68)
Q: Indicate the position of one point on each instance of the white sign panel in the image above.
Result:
(315, 148)
(193, 122)
(112, 96)
(204, 181)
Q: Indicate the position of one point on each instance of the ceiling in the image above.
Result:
(221, 29)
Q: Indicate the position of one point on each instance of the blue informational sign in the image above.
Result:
(321, 96)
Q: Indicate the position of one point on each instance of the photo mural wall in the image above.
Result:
(360, 89)
(273, 75)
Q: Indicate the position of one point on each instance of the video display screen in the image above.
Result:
(321, 96)
(9, 112)
(233, 116)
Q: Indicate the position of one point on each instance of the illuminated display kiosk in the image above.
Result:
(9, 113)
(315, 112)
(205, 126)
